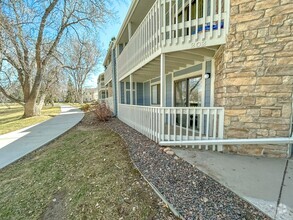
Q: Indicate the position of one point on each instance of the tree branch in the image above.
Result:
(48, 10)
(10, 97)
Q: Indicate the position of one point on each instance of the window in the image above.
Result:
(156, 93)
(188, 92)
(103, 95)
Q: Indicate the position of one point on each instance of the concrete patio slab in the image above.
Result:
(257, 180)
(17, 144)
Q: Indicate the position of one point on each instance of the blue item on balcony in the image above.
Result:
(208, 27)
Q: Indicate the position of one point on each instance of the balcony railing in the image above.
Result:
(175, 123)
(169, 26)
(108, 73)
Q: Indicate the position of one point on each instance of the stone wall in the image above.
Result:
(254, 74)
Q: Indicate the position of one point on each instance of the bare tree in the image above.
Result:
(50, 84)
(81, 58)
(31, 32)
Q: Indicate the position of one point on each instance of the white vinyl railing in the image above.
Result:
(175, 123)
(110, 103)
(108, 74)
(168, 28)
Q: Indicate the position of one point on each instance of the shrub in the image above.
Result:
(102, 112)
(85, 107)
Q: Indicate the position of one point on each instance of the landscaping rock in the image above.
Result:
(176, 158)
(170, 152)
(192, 193)
(167, 149)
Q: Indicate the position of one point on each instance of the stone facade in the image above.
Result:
(254, 74)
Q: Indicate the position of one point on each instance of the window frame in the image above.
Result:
(158, 85)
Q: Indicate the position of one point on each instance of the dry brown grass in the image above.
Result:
(86, 174)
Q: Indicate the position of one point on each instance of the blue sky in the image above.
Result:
(110, 30)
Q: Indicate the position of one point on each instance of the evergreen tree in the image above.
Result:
(70, 97)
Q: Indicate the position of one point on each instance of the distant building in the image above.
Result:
(90, 95)
(102, 90)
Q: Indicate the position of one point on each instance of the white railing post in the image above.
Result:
(212, 18)
(177, 22)
(204, 19)
(214, 131)
(174, 125)
(170, 22)
(221, 128)
(190, 21)
(183, 21)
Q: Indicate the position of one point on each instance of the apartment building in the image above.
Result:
(90, 95)
(102, 90)
(210, 74)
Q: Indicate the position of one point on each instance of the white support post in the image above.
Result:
(129, 31)
(162, 74)
(213, 75)
(131, 89)
(162, 93)
(203, 80)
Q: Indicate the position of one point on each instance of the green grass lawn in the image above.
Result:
(85, 174)
(11, 117)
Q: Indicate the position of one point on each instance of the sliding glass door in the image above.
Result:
(188, 93)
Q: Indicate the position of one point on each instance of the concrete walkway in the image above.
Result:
(17, 144)
(266, 183)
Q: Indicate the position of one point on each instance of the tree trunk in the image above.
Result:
(30, 109)
(40, 106)
(80, 95)
(81, 98)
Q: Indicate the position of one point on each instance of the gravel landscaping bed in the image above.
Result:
(193, 194)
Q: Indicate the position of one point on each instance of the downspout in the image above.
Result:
(114, 80)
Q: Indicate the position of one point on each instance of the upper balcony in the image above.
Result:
(101, 81)
(171, 25)
(108, 73)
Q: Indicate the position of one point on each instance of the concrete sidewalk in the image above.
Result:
(266, 183)
(17, 144)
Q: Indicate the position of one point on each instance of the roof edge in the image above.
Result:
(126, 19)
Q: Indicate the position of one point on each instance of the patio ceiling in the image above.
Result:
(174, 61)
